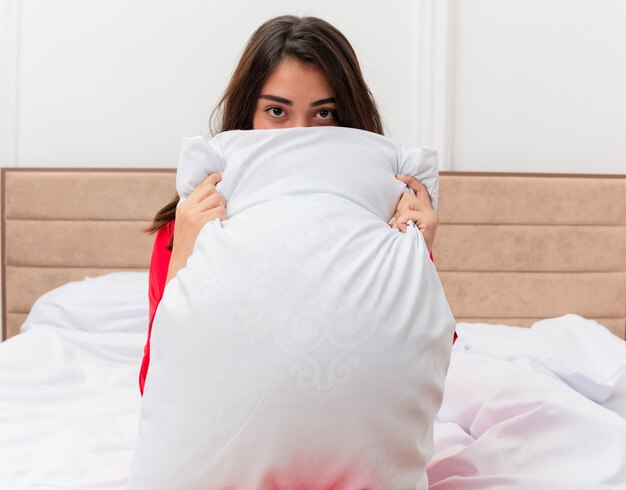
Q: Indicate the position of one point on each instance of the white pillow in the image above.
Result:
(305, 343)
(114, 302)
(200, 157)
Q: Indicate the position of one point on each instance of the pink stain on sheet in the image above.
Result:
(346, 481)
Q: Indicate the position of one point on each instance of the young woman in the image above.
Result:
(294, 72)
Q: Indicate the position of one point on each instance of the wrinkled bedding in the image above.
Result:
(543, 408)
(540, 408)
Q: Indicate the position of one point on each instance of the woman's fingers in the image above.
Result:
(205, 197)
(204, 204)
(412, 182)
(213, 213)
(421, 219)
(426, 222)
(404, 204)
(212, 179)
(421, 192)
(401, 222)
(214, 200)
(208, 209)
(409, 202)
(205, 188)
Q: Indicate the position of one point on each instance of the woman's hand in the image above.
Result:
(204, 204)
(416, 208)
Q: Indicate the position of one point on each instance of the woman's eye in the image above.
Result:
(325, 113)
(275, 111)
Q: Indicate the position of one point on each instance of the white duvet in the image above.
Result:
(306, 342)
(541, 408)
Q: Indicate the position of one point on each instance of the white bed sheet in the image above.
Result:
(539, 408)
(69, 408)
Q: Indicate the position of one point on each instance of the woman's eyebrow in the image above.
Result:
(323, 101)
(282, 100)
(276, 98)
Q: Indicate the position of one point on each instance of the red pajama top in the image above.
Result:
(159, 265)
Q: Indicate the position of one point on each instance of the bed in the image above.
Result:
(533, 266)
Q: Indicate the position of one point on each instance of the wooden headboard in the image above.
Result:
(510, 249)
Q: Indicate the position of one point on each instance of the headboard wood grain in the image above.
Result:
(510, 248)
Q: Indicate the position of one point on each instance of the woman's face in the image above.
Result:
(295, 95)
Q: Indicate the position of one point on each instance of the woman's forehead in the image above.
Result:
(297, 82)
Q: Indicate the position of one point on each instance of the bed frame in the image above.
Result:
(510, 248)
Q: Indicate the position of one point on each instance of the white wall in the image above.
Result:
(540, 86)
(497, 85)
(120, 82)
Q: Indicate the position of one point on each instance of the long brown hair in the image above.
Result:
(309, 40)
